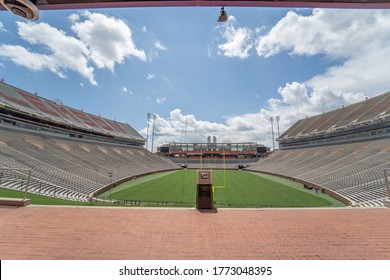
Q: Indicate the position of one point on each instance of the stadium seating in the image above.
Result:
(344, 151)
(344, 118)
(24, 106)
(354, 170)
(71, 168)
(72, 154)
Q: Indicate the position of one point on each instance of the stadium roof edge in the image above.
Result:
(83, 4)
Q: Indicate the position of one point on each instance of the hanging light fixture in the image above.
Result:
(223, 15)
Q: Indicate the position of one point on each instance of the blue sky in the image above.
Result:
(198, 76)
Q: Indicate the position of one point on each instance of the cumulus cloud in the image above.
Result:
(238, 40)
(297, 97)
(74, 17)
(103, 40)
(177, 125)
(109, 39)
(66, 52)
(295, 101)
(356, 41)
(358, 38)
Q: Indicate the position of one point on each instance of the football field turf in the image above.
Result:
(232, 188)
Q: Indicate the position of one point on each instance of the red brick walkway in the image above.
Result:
(117, 233)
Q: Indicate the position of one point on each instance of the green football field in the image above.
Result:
(232, 188)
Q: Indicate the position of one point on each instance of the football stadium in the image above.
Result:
(334, 163)
(78, 186)
(73, 155)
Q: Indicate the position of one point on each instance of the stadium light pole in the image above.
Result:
(154, 121)
(148, 115)
(277, 122)
(272, 132)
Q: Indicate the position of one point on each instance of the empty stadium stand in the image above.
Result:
(69, 157)
(72, 168)
(367, 119)
(343, 152)
(23, 109)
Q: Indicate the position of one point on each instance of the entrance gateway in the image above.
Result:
(204, 193)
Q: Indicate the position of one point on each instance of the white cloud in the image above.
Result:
(295, 102)
(294, 94)
(158, 45)
(109, 39)
(359, 38)
(126, 90)
(2, 27)
(66, 52)
(144, 29)
(238, 40)
(177, 125)
(161, 100)
(101, 39)
(74, 17)
(150, 76)
(357, 41)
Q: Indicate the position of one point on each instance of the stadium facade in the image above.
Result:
(211, 149)
(212, 154)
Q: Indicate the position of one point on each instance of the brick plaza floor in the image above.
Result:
(98, 233)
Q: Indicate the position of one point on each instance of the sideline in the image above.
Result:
(299, 186)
